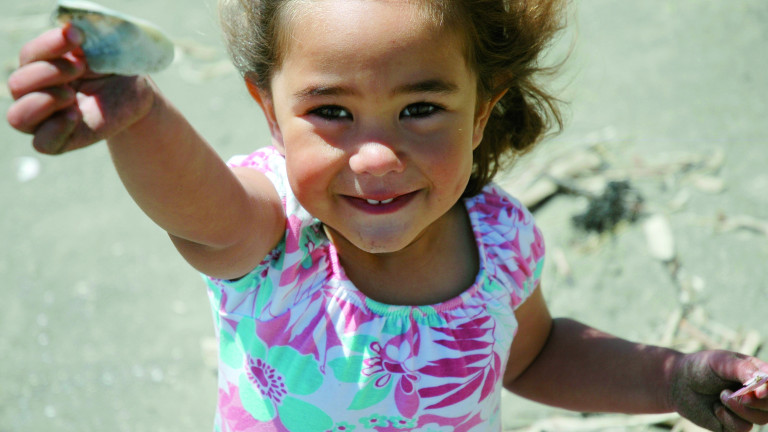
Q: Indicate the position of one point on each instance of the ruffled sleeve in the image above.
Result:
(513, 254)
(292, 269)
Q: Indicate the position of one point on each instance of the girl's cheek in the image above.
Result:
(311, 168)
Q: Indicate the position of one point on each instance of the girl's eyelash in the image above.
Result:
(420, 109)
(331, 112)
(414, 110)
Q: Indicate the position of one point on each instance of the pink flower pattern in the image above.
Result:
(383, 367)
(266, 379)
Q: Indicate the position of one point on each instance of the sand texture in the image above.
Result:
(105, 327)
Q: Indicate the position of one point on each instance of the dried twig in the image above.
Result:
(730, 223)
(595, 423)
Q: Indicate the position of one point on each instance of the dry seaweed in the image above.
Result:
(618, 203)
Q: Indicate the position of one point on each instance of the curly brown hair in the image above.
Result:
(504, 41)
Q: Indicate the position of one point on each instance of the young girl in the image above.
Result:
(364, 271)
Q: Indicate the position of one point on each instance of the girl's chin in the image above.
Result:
(381, 249)
(374, 243)
(381, 246)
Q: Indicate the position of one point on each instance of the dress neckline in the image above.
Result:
(381, 308)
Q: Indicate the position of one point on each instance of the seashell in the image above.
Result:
(658, 234)
(114, 42)
(757, 380)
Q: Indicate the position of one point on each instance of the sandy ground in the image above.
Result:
(104, 327)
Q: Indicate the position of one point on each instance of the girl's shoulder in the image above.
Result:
(498, 209)
(268, 161)
(271, 163)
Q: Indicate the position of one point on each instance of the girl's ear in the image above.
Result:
(263, 98)
(482, 114)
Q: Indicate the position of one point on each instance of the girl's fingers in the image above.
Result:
(738, 411)
(731, 366)
(32, 109)
(51, 45)
(747, 403)
(730, 421)
(43, 74)
(53, 135)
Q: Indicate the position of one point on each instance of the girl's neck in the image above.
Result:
(439, 265)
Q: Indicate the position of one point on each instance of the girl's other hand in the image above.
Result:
(65, 105)
(703, 382)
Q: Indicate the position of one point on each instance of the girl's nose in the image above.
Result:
(376, 159)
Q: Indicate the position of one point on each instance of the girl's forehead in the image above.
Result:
(328, 8)
(358, 22)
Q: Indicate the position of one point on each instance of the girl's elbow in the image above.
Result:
(220, 262)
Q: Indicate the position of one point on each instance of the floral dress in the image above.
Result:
(302, 349)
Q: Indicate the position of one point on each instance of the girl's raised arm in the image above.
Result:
(222, 222)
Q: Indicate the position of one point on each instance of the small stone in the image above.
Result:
(658, 234)
(156, 374)
(27, 168)
(50, 411)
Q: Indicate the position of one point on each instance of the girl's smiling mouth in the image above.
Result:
(374, 202)
(381, 205)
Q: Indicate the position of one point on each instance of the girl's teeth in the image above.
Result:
(375, 202)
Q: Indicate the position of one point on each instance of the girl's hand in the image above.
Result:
(703, 382)
(65, 105)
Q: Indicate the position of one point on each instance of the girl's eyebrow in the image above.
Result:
(321, 90)
(427, 86)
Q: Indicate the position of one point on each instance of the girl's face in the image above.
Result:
(377, 113)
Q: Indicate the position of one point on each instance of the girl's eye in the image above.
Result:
(332, 112)
(421, 109)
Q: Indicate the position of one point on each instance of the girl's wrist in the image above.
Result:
(673, 378)
(148, 113)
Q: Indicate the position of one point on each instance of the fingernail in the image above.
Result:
(725, 395)
(719, 411)
(74, 35)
